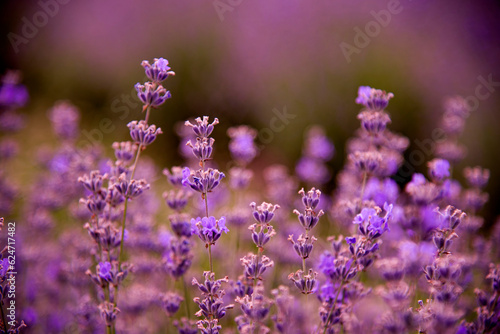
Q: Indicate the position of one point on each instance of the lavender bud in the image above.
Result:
(261, 234)
(203, 181)
(93, 182)
(64, 117)
(208, 229)
(174, 176)
(170, 302)
(373, 99)
(254, 266)
(108, 313)
(374, 122)
(157, 72)
(124, 151)
(242, 146)
(152, 95)
(203, 148)
(477, 177)
(239, 178)
(143, 134)
(366, 162)
(306, 283)
(264, 213)
(201, 128)
(439, 169)
(303, 246)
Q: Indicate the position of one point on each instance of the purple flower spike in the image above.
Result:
(242, 146)
(143, 134)
(93, 182)
(201, 128)
(370, 224)
(104, 271)
(208, 229)
(366, 162)
(12, 94)
(124, 151)
(203, 148)
(152, 95)
(130, 189)
(306, 283)
(203, 181)
(318, 145)
(171, 303)
(477, 177)
(373, 99)
(264, 213)
(64, 117)
(159, 71)
(439, 169)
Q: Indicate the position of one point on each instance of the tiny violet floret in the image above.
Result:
(201, 127)
(264, 213)
(143, 134)
(203, 181)
(159, 71)
(152, 95)
(208, 229)
(439, 169)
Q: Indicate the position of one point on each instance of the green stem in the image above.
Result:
(333, 306)
(186, 298)
(365, 176)
(210, 258)
(205, 195)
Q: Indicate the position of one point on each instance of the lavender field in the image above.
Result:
(249, 167)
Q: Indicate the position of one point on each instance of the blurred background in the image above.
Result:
(246, 61)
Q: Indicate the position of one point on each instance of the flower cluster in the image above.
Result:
(399, 252)
(317, 151)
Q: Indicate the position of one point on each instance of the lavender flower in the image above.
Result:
(170, 302)
(152, 95)
(64, 117)
(159, 71)
(242, 146)
(203, 181)
(439, 169)
(13, 94)
(373, 99)
(143, 134)
(212, 307)
(201, 127)
(208, 229)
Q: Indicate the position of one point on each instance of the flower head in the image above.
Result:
(142, 133)
(201, 128)
(159, 71)
(208, 229)
(373, 99)
(203, 181)
(439, 169)
(242, 146)
(152, 95)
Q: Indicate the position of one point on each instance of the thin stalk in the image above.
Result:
(365, 176)
(120, 255)
(333, 306)
(186, 298)
(255, 280)
(210, 258)
(206, 203)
